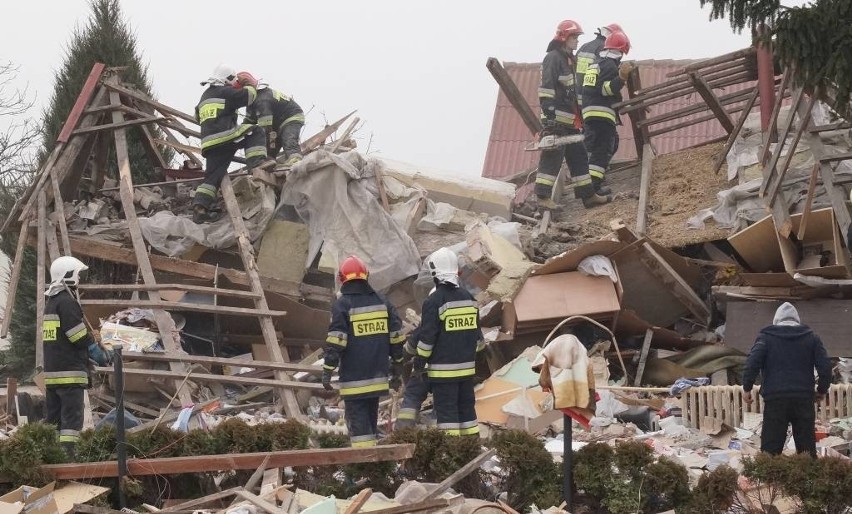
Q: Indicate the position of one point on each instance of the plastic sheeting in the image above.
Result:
(598, 266)
(175, 235)
(331, 193)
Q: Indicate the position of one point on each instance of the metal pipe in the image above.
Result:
(765, 78)
(567, 462)
(120, 446)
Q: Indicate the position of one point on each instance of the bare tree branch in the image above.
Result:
(19, 135)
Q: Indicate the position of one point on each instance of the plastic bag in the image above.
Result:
(598, 266)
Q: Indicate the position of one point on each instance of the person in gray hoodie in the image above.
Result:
(785, 354)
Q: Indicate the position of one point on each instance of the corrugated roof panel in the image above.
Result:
(505, 155)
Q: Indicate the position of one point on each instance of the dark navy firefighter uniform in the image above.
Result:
(450, 337)
(222, 136)
(601, 90)
(416, 389)
(66, 342)
(282, 119)
(364, 335)
(586, 56)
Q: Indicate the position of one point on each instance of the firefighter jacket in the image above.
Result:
(66, 341)
(365, 330)
(450, 335)
(586, 56)
(557, 94)
(272, 110)
(216, 113)
(602, 87)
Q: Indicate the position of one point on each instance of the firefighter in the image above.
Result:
(222, 136)
(588, 53)
(67, 346)
(560, 117)
(416, 389)
(279, 115)
(365, 332)
(601, 90)
(450, 337)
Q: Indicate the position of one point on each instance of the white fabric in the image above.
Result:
(568, 364)
(598, 266)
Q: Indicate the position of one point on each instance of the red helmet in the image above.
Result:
(567, 29)
(606, 30)
(245, 78)
(352, 268)
(618, 41)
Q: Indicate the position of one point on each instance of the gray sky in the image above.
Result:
(415, 71)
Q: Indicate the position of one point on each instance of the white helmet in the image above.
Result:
(66, 270)
(222, 75)
(443, 264)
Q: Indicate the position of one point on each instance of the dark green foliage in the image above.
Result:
(714, 493)
(631, 458)
(816, 40)
(531, 476)
(234, 436)
(97, 445)
(593, 468)
(159, 443)
(666, 484)
(289, 435)
(198, 442)
(22, 454)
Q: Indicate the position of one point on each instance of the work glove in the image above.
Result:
(293, 159)
(326, 379)
(625, 69)
(418, 366)
(100, 355)
(395, 381)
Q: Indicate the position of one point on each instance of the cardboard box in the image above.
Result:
(29, 500)
(822, 236)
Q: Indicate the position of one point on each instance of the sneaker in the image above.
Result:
(595, 200)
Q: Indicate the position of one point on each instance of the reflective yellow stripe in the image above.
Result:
(544, 181)
(49, 331)
(594, 113)
(330, 368)
(469, 431)
(368, 315)
(544, 92)
(398, 339)
(454, 373)
(372, 388)
(596, 171)
(78, 335)
(364, 444)
(456, 311)
(294, 118)
(335, 340)
(265, 121)
(424, 353)
(224, 137)
(69, 439)
(407, 414)
(252, 93)
(256, 151)
(451, 431)
(209, 111)
(65, 380)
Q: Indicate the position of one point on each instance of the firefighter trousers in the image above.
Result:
(65, 410)
(416, 390)
(455, 407)
(601, 143)
(362, 419)
(219, 158)
(577, 160)
(287, 139)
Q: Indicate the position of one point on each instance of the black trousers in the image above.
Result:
(219, 158)
(778, 413)
(65, 410)
(601, 143)
(416, 390)
(287, 138)
(455, 407)
(362, 419)
(577, 160)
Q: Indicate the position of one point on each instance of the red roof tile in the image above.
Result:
(506, 156)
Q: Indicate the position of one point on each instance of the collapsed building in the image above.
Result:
(679, 273)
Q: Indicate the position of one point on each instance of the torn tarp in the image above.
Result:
(330, 193)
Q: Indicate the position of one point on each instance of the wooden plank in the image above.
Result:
(14, 278)
(169, 416)
(165, 324)
(643, 357)
(11, 396)
(204, 500)
(745, 52)
(732, 137)
(640, 133)
(130, 405)
(770, 135)
(809, 201)
(837, 125)
(715, 84)
(288, 398)
(513, 94)
(223, 379)
(682, 78)
(259, 502)
(254, 480)
(40, 281)
(224, 361)
(183, 306)
(190, 288)
(359, 501)
(313, 142)
(712, 102)
(208, 463)
(100, 161)
(142, 97)
(543, 224)
(662, 270)
(698, 108)
(459, 474)
(117, 125)
(683, 85)
(82, 101)
(645, 189)
(52, 241)
(838, 200)
(59, 209)
(836, 157)
(188, 151)
(803, 125)
(154, 155)
(770, 168)
(92, 247)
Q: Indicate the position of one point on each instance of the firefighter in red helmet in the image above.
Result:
(365, 341)
(602, 86)
(561, 118)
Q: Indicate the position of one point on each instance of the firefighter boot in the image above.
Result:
(547, 204)
(600, 188)
(201, 214)
(595, 200)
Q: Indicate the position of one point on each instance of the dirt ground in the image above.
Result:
(682, 183)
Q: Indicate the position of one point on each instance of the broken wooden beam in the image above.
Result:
(678, 286)
(732, 137)
(313, 142)
(204, 500)
(836, 157)
(184, 306)
(645, 189)
(643, 357)
(744, 52)
(359, 501)
(459, 474)
(224, 361)
(513, 94)
(712, 101)
(222, 379)
(208, 463)
(189, 288)
(775, 187)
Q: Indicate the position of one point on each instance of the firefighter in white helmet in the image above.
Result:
(449, 339)
(67, 346)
